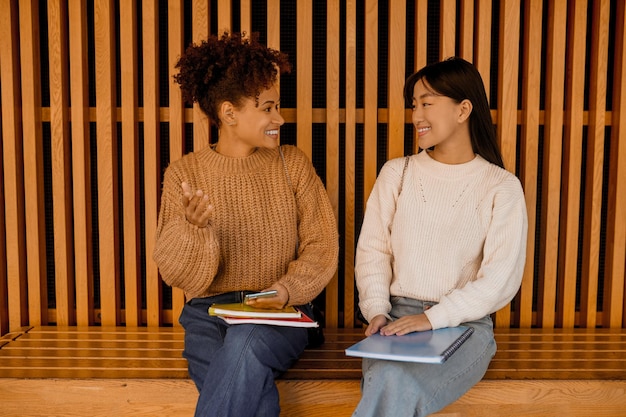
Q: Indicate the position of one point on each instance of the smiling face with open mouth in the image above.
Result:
(255, 124)
(441, 122)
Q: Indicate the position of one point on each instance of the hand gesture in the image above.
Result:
(198, 210)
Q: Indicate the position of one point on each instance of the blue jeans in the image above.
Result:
(391, 389)
(234, 366)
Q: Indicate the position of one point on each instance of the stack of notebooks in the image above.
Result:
(238, 313)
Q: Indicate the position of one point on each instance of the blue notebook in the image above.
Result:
(433, 346)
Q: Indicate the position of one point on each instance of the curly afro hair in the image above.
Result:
(228, 68)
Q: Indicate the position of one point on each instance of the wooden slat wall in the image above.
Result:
(550, 109)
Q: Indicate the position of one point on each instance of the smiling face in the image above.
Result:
(441, 122)
(255, 124)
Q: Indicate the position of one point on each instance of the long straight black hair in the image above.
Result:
(460, 80)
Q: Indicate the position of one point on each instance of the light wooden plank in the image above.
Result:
(350, 169)
(421, 48)
(482, 45)
(304, 88)
(152, 138)
(447, 29)
(33, 159)
(332, 140)
(396, 77)
(147, 397)
(466, 44)
(130, 162)
(572, 164)
(529, 151)
(224, 15)
(553, 136)
(200, 31)
(13, 169)
(175, 20)
(370, 94)
(61, 157)
(508, 65)
(595, 162)
(81, 171)
(273, 24)
(616, 223)
(246, 16)
(108, 224)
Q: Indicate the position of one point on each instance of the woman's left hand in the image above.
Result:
(407, 324)
(278, 301)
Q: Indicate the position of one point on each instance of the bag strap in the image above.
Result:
(406, 164)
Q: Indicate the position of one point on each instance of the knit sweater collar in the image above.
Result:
(257, 160)
(451, 171)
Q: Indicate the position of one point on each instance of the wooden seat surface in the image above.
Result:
(122, 352)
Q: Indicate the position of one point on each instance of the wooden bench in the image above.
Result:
(134, 369)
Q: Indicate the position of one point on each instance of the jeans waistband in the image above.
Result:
(227, 297)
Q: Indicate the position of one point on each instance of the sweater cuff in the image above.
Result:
(437, 317)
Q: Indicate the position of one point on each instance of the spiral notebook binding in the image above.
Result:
(457, 343)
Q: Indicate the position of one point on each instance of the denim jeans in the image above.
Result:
(404, 389)
(234, 366)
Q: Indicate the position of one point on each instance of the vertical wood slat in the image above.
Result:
(61, 174)
(33, 158)
(370, 98)
(350, 155)
(130, 162)
(572, 165)
(482, 43)
(332, 140)
(107, 162)
(304, 88)
(466, 47)
(151, 109)
(421, 50)
(16, 313)
(81, 171)
(200, 31)
(595, 163)
(613, 311)
(507, 101)
(555, 70)
(4, 290)
(508, 64)
(175, 41)
(396, 75)
(224, 15)
(529, 150)
(273, 24)
(447, 29)
(246, 16)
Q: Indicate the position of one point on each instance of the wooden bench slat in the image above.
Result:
(117, 352)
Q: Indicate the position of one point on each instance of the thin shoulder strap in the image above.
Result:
(406, 164)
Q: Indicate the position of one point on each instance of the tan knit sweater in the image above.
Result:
(258, 221)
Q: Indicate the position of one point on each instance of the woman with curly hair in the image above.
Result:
(242, 215)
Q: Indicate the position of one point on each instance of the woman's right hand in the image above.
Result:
(198, 210)
(376, 324)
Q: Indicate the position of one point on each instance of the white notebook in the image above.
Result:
(433, 346)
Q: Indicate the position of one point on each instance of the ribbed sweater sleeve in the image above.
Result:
(455, 235)
(259, 221)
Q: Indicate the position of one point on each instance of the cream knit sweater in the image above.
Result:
(257, 225)
(456, 235)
